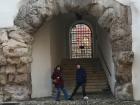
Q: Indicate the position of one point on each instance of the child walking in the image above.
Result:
(57, 78)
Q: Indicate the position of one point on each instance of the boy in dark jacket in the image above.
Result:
(58, 81)
(81, 77)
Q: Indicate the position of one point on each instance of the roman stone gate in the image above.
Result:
(22, 58)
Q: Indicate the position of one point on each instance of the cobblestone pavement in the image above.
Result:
(94, 99)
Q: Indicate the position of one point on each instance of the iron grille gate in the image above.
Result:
(81, 41)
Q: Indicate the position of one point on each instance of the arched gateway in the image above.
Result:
(111, 22)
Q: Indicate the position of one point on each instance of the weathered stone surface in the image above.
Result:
(1, 98)
(14, 44)
(23, 68)
(105, 20)
(15, 52)
(2, 69)
(124, 64)
(2, 57)
(26, 60)
(1, 94)
(2, 60)
(17, 92)
(31, 21)
(13, 60)
(21, 78)
(10, 77)
(121, 31)
(124, 91)
(96, 10)
(10, 69)
(123, 87)
(2, 79)
(21, 36)
(32, 14)
(43, 10)
(126, 57)
(3, 36)
(23, 25)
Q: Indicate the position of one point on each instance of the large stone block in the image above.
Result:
(3, 79)
(124, 67)
(96, 10)
(21, 36)
(22, 68)
(123, 88)
(10, 78)
(26, 60)
(105, 21)
(15, 52)
(17, 92)
(23, 25)
(14, 44)
(2, 69)
(10, 69)
(124, 92)
(21, 78)
(13, 60)
(3, 60)
(3, 36)
(1, 94)
(42, 10)
(1, 98)
(126, 57)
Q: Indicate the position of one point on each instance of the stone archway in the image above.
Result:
(16, 42)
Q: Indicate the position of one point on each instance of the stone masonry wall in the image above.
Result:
(15, 59)
(118, 25)
(15, 43)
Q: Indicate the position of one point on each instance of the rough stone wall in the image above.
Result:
(124, 86)
(15, 59)
(15, 47)
(122, 53)
(117, 22)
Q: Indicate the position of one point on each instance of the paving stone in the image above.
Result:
(94, 99)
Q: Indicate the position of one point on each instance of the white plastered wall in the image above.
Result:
(135, 8)
(104, 51)
(136, 48)
(41, 65)
(48, 51)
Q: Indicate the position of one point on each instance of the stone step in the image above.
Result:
(88, 80)
(88, 89)
(90, 76)
(87, 71)
(93, 71)
(88, 86)
(96, 78)
(92, 81)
